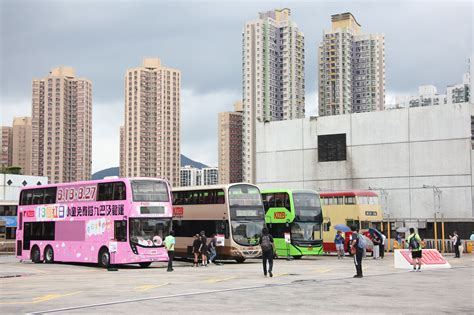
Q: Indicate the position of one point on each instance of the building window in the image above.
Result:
(472, 132)
(332, 147)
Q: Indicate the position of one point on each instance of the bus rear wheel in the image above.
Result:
(297, 257)
(145, 264)
(35, 255)
(48, 255)
(104, 258)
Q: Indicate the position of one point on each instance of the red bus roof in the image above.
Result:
(348, 193)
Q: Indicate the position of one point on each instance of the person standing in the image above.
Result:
(357, 251)
(203, 249)
(170, 241)
(339, 241)
(196, 248)
(268, 249)
(376, 249)
(456, 242)
(414, 244)
(382, 245)
(212, 249)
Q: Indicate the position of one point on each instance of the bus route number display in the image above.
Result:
(81, 193)
(279, 215)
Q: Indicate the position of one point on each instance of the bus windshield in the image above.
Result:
(306, 231)
(307, 207)
(147, 190)
(244, 195)
(247, 232)
(148, 232)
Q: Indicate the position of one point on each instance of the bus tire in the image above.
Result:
(240, 260)
(35, 255)
(145, 264)
(48, 255)
(297, 257)
(104, 257)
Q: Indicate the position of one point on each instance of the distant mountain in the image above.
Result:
(114, 171)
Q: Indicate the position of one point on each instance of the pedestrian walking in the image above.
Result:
(196, 249)
(357, 251)
(414, 244)
(169, 242)
(203, 248)
(339, 241)
(268, 250)
(456, 240)
(382, 245)
(212, 249)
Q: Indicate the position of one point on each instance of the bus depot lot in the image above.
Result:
(310, 285)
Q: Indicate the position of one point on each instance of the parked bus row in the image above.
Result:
(124, 221)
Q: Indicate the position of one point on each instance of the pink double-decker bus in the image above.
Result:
(110, 221)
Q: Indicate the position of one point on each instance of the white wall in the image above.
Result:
(398, 150)
(11, 192)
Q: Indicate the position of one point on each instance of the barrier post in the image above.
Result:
(435, 232)
(442, 233)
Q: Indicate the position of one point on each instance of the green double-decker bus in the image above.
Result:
(297, 215)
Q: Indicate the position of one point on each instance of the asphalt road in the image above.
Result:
(310, 285)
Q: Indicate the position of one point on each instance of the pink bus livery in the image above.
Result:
(110, 221)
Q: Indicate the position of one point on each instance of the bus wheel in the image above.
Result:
(240, 260)
(145, 264)
(48, 255)
(298, 257)
(104, 258)
(35, 255)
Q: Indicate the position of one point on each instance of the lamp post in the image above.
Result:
(437, 209)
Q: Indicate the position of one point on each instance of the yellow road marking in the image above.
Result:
(219, 279)
(280, 274)
(41, 299)
(147, 287)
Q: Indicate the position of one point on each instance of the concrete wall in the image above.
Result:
(397, 150)
(11, 185)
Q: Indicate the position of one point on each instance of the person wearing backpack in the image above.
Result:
(268, 249)
(414, 244)
(357, 249)
(456, 242)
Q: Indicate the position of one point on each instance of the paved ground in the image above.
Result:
(310, 285)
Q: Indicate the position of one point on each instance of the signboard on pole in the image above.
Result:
(220, 239)
(287, 238)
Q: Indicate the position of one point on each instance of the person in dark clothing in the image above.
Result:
(357, 252)
(203, 248)
(196, 248)
(212, 249)
(382, 245)
(268, 250)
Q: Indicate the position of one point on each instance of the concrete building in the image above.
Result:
(10, 187)
(21, 144)
(122, 152)
(403, 151)
(272, 77)
(152, 122)
(189, 176)
(62, 126)
(210, 176)
(427, 96)
(6, 153)
(351, 68)
(459, 93)
(230, 145)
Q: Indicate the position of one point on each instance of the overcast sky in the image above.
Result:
(426, 42)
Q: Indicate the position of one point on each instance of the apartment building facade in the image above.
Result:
(272, 77)
(21, 144)
(62, 126)
(151, 136)
(351, 68)
(6, 153)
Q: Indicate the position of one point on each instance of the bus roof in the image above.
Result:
(289, 191)
(209, 187)
(95, 181)
(348, 193)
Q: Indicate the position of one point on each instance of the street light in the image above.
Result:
(437, 208)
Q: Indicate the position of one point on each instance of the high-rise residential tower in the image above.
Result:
(6, 153)
(351, 68)
(272, 77)
(21, 144)
(62, 126)
(152, 122)
(230, 145)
